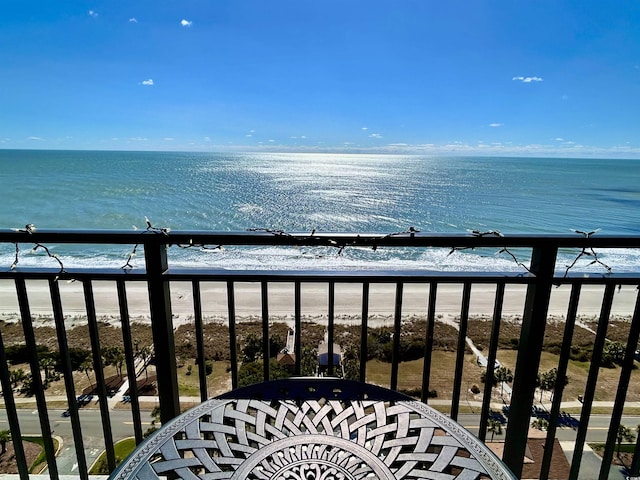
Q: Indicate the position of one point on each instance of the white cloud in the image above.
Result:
(148, 82)
(365, 128)
(34, 138)
(559, 139)
(207, 139)
(185, 23)
(271, 141)
(496, 124)
(528, 79)
(168, 139)
(93, 13)
(375, 135)
(303, 136)
(248, 135)
(133, 20)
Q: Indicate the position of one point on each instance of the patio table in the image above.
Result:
(312, 429)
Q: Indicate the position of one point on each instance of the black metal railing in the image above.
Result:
(538, 273)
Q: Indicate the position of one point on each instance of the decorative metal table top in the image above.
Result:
(312, 429)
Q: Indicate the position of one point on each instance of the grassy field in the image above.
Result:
(41, 459)
(577, 372)
(218, 382)
(442, 372)
(443, 368)
(122, 449)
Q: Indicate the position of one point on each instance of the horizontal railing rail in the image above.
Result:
(538, 273)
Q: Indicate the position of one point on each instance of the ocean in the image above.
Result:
(299, 192)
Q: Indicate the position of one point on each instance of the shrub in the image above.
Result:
(252, 372)
(21, 354)
(612, 354)
(580, 354)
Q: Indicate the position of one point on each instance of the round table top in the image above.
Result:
(308, 429)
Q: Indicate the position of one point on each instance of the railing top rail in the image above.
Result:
(402, 239)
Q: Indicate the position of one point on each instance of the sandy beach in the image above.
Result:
(348, 301)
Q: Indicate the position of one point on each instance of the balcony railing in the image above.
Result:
(537, 275)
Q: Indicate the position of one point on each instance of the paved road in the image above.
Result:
(596, 432)
(122, 427)
(91, 424)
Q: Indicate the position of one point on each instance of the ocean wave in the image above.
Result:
(328, 259)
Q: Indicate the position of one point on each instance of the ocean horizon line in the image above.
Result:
(596, 155)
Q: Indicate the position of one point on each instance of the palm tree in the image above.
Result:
(624, 433)
(118, 361)
(5, 436)
(495, 427)
(47, 364)
(145, 356)
(546, 382)
(17, 376)
(503, 374)
(86, 367)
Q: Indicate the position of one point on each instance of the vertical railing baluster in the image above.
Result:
(397, 323)
(431, 322)
(364, 332)
(43, 413)
(266, 354)
(65, 359)
(12, 414)
(621, 394)
(157, 264)
(197, 312)
(233, 341)
(101, 387)
(634, 470)
(563, 362)
(491, 360)
(543, 260)
(297, 322)
(462, 342)
(130, 360)
(592, 379)
(330, 327)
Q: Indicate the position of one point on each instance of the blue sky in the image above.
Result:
(411, 76)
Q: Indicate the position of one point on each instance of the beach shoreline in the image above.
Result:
(314, 302)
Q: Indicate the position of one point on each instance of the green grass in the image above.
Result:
(217, 383)
(32, 405)
(442, 373)
(42, 457)
(624, 447)
(122, 450)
